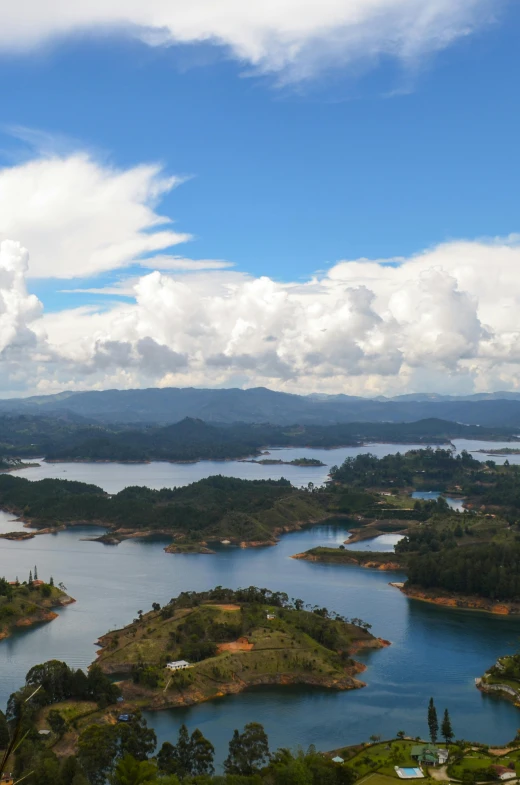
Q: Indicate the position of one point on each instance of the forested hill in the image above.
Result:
(213, 508)
(70, 438)
(167, 405)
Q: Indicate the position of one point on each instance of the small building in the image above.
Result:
(6, 779)
(178, 665)
(38, 582)
(44, 733)
(503, 773)
(428, 754)
(337, 759)
(124, 718)
(271, 616)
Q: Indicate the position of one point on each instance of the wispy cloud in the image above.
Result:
(294, 39)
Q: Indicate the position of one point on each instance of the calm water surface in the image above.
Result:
(435, 652)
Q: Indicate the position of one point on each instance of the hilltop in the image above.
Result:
(232, 640)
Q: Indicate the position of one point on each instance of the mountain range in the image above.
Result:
(259, 404)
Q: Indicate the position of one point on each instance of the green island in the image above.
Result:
(231, 640)
(295, 462)
(65, 727)
(467, 559)
(502, 451)
(68, 438)
(502, 679)
(245, 512)
(28, 603)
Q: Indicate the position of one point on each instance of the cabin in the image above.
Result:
(271, 616)
(429, 755)
(38, 582)
(178, 665)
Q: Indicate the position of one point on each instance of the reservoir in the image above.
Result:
(435, 651)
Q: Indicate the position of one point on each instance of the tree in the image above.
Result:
(446, 729)
(97, 749)
(374, 738)
(130, 771)
(202, 754)
(401, 734)
(167, 759)
(248, 750)
(51, 581)
(433, 722)
(35, 572)
(56, 722)
(136, 738)
(4, 732)
(30, 577)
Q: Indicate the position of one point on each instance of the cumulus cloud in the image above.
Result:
(294, 38)
(82, 218)
(445, 319)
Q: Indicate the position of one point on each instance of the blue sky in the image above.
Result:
(375, 159)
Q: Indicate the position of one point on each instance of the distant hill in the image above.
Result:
(168, 405)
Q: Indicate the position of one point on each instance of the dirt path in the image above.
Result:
(440, 773)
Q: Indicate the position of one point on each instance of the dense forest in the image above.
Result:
(489, 570)
(438, 468)
(214, 507)
(72, 438)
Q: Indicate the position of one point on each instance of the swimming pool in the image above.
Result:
(409, 773)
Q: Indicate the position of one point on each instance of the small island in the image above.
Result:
(295, 462)
(502, 679)
(205, 645)
(28, 603)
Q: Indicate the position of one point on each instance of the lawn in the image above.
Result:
(478, 761)
(383, 758)
(377, 779)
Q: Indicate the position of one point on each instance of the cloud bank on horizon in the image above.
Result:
(444, 319)
(293, 39)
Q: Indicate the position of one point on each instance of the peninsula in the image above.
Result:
(467, 559)
(205, 645)
(28, 603)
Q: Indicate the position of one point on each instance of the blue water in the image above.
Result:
(435, 651)
(455, 504)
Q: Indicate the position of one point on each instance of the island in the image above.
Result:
(502, 679)
(208, 644)
(29, 603)
(296, 462)
(244, 512)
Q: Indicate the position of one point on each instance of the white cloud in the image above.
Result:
(82, 218)
(445, 320)
(294, 38)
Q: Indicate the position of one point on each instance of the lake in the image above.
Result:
(113, 477)
(435, 651)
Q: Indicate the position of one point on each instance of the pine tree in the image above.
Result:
(202, 754)
(51, 581)
(183, 752)
(35, 572)
(433, 722)
(30, 577)
(446, 729)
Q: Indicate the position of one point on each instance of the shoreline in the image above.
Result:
(460, 601)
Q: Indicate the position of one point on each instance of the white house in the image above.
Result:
(270, 616)
(178, 665)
